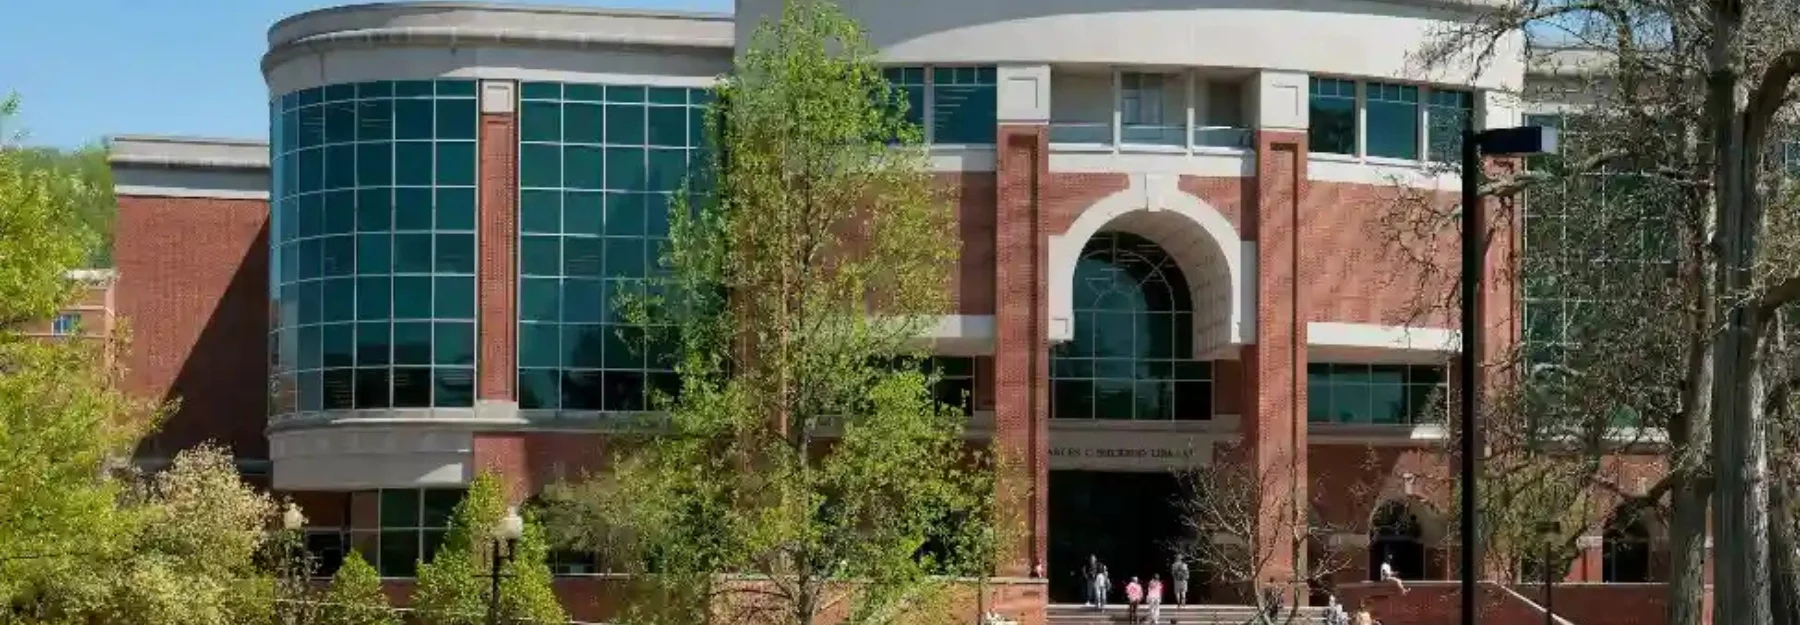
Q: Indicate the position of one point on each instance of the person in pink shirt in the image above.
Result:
(1153, 598)
(1134, 594)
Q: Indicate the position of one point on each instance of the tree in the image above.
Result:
(454, 586)
(1224, 507)
(804, 446)
(355, 596)
(63, 418)
(1683, 99)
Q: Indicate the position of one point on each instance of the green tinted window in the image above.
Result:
(1374, 394)
(1332, 111)
(354, 164)
(595, 162)
(1131, 356)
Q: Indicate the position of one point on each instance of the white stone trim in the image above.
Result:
(960, 158)
(1375, 435)
(1383, 336)
(1379, 172)
(1194, 233)
(1203, 161)
(1589, 541)
(960, 335)
(1347, 540)
(180, 192)
(360, 458)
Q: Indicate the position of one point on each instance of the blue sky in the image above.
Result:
(85, 69)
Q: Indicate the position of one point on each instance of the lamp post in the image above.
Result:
(1518, 141)
(506, 536)
(292, 523)
(1548, 532)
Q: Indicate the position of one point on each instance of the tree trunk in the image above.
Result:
(1784, 588)
(1741, 579)
(1784, 559)
(1687, 552)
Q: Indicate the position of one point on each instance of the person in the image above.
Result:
(1102, 584)
(1272, 600)
(1134, 595)
(1153, 598)
(1387, 573)
(1089, 572)
(1334, 611)
(1362, 616)
(1178, 573)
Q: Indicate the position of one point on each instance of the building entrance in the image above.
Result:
(1131, 521)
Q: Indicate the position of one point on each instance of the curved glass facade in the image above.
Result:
(597, 167)
(373, 248)
(1130, 356)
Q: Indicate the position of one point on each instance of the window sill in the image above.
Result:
(1152, 148)
(1221, 150)
(1081, 147)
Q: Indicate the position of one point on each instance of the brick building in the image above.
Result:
(1166, 212)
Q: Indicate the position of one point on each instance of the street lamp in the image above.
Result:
(297, 570)
(506, 536)
(1548, 532)
(1519, 141)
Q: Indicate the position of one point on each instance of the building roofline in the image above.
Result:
(460, 24)
(495, 7)
(187, 152)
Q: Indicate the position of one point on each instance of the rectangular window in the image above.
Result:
(911, 83)
(1393, 118)
(1152, 109)
(1447, 111)
(1374, 394)
(964, 105)
(65, 324)
(413, 523)
(1331, 105)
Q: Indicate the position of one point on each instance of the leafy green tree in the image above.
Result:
(355, 596)
(805, 447)
(454, 588)
(63, 419)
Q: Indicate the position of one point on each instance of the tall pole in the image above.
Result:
(1473, 224)
(1549, 597)
(494, 586)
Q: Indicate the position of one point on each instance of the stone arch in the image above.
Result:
(1218, 264)
(1627, 544)
(1405, 529)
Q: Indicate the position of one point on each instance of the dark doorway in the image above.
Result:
(1397, 534)
(1129, 520)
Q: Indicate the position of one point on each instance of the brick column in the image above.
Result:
(1021, 351)
(498, 276)
(1274, 422)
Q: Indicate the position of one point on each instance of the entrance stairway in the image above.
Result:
(1076, 614)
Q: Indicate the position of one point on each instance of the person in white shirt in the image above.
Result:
(1387, 573)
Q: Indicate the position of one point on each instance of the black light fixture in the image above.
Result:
(1518, 141)
(1548, 532)
(506, 536)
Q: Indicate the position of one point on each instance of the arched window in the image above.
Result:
(1625, 548)
(1396, 536)
(1131, 354)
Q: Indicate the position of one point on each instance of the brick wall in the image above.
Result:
(194, 288)
(499, 274)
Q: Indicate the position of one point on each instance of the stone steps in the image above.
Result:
(1188, 615)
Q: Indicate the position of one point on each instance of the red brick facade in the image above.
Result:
(193, 287)
(201, 328)
(498, 275)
